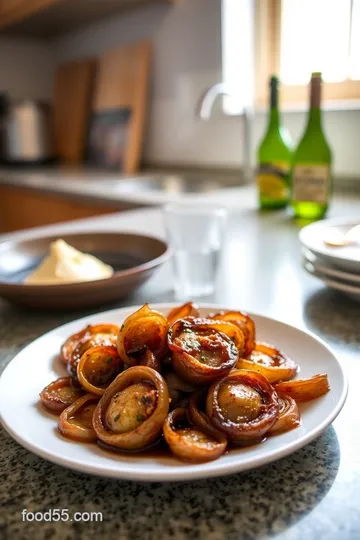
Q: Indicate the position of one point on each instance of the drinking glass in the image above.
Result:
(195, 234)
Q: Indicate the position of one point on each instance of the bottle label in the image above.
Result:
(311, 183)
(272, 180)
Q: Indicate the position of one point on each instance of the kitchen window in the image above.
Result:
(291, 38)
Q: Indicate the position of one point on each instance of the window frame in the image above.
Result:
(267, 62)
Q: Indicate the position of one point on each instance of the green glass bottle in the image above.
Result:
(274, 157)
(311, 172)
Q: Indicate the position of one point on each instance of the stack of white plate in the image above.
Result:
(338, 267)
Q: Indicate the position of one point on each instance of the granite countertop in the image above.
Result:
(312, 494)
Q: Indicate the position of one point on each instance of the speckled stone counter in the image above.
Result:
(313, 494)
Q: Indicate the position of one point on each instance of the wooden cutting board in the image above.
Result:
(73, 93)
(122, 85)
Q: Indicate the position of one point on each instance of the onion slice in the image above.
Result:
(97, 368)
(270, 362)
(84, 335)
(305, 389)
(242, 405)
(192, 443)
(146, 329)
(117, 420)
(203, 350)
(60, 394)
(75, 422)
(186, 310)
(244, 322)
(289, 415)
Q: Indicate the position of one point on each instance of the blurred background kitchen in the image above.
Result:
(93, 93)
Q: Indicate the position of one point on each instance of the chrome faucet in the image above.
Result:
(204, 109)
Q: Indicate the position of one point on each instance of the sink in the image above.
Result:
(168, 184)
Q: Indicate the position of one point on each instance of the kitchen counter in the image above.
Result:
(313, 494)
(150, 187)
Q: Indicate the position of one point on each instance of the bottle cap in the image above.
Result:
(274, 80)
(316, 74)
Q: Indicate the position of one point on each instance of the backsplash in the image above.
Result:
(186, 40)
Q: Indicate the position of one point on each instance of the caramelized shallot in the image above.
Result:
(85, 334)
(186, 310)
(95, 336)
(305, 389)
(242, 405)
(270, 362)
(203, 350)
(76, 422)
(131, 412)
(97, 368)
(60, 394)
(244, 322)
(289, 415)
(192, 443)
(146, 329)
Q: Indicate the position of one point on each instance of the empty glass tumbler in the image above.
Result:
(196, 236)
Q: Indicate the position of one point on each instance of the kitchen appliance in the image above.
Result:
(25, 132)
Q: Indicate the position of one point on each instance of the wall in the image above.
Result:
(187, 59)
(26, 68)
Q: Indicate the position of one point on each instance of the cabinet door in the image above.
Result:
(7, 6)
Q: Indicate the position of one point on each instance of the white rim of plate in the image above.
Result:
(334, 284)
(219, 469)
(329, 270)
(307, 235)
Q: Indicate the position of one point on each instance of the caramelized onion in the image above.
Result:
(203, 350)
(148, 359)
(75, 422)
(131, 413)
(242, 405)
(270, 362)
(60, 394)
(97, 368)
(192, 443)
(244, 322)
(289, 415)
(95, 336)
(178, 388)
(305, 389)
(146, 329)
(84, 335)
(186, 310)
(197, 415)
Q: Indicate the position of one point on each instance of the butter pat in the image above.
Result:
(65, 264)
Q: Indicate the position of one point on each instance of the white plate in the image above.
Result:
(38, 364)
(346, 258)
(329, 271)
(353, 291)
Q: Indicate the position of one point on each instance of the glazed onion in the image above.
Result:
(75, 422)
(191, 443)
(242, 405)
(178, 389)
(270, 362)
(60, 394)
(98, 335)
(305, 389)
(289, 415)
(203, 350)
(131, 413)
(146, 329)
(84, 335)
(244, 322)
(97, 368)
(186, 310)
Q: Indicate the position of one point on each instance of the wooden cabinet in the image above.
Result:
(46, 18)
(21, 208)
